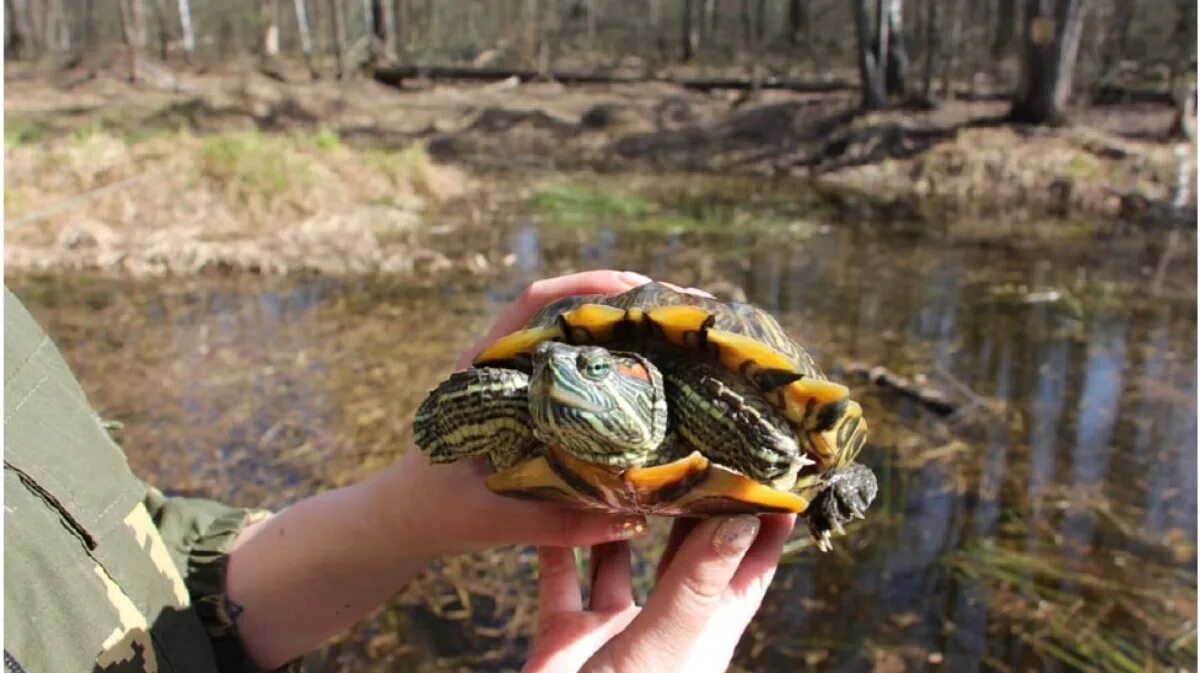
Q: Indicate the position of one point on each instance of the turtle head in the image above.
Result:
(601, 406)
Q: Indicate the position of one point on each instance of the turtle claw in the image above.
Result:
(824, 542)
(847, 493)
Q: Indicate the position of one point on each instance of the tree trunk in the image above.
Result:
(390, 43)
(799, 19)
(338, 44)
(932, 44)
(708, 24)
(882, 39)
(185, 27)
(369, 30)
(546, 17)
(747, 22)
(874, 95)
(128, 35)
(760, 26)
(164, 32)
(531, 44)
(691, 31)
(1051, 47)
(306, 42)
(952, 54)
(270, 40)
(1006, 23)
(656, 35)
(897, 55)
(590, 8)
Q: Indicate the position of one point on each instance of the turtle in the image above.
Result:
(656, 401)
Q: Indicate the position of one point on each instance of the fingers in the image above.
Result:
(749, 585)
(679, 531)
(612, 577)
(758, 567)
(542, 292)
(554, 525)
(558, 584)
(689, 593)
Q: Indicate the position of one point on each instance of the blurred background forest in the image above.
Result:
(261, 231)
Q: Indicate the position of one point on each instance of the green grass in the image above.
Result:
(250, 165)
(21, 131)
(661, 208)
(327, 139)
(570, 202)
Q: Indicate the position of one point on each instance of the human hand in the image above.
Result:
(712, 578)
(446, 509)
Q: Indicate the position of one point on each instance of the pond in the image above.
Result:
(1049, 523)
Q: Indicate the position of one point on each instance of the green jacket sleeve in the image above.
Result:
(198, 534)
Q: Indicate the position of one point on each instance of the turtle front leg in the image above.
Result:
(847, 494)
(475, 412)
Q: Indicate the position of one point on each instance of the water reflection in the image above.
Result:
(265, 388)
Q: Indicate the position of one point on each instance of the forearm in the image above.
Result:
(315, 568)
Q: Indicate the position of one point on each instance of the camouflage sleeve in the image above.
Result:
(198, 534)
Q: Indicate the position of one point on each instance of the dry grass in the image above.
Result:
(179, 202)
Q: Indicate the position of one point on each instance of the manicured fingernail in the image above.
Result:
(634, 278)
(734, 536)
(629, 528)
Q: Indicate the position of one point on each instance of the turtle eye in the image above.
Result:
(596, 368)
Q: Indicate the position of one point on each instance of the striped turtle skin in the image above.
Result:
(660, 402)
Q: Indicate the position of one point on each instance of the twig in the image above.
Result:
(932, 398)
(72, 202)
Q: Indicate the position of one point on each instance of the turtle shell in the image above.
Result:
(741, 337)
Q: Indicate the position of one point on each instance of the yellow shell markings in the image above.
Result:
(680, 324)
(519, 342)
(642, 488)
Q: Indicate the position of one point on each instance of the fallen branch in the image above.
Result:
(934, 399)
(395, 76)
(72, 202)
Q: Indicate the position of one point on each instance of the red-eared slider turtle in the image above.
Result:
(659, 402)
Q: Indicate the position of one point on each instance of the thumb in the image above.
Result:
(687, 595)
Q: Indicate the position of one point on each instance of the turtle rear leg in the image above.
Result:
(727, 420)
(475, 412)
(847, 494)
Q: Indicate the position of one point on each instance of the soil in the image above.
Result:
(104, 173)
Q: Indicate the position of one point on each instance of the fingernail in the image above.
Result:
(629, 528)
(734, 536)
(698, 291)
(634, 278)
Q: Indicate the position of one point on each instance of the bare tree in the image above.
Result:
(185, 27)
(799, 19)
(390, 41)
(874, 91)
(1048, 68)
(336, 38)
(1006, 24)
(590, 8)
(369, 28)
(270, 13)
(708, 29)
(691, 31)
(932, 44)
(896, 79)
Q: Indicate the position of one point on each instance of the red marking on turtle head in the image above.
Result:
(637, 371)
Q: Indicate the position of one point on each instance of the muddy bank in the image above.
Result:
(1117, 161)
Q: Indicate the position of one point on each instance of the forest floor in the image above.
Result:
(277, 159)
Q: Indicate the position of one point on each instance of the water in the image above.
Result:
(1049, 525)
